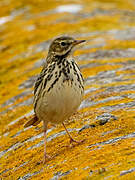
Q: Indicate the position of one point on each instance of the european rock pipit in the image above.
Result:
(59, 88)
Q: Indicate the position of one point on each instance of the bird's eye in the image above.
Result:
(63, 43)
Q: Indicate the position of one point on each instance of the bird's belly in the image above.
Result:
(61, 101)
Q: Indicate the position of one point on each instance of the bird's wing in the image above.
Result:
(40, 78)
(34, 119)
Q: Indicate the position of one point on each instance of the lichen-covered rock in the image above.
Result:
(106, 117)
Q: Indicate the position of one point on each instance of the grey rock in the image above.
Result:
(28, 83)
(109, 54)
(13, 99)
(27, 102)
(105, 117)
(60, 174)
(119, 106)
(29, 175)
(89, 103)
(127, 171)
(111, 141)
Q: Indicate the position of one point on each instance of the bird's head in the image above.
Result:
(63, 45)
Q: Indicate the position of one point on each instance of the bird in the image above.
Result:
(59, 88)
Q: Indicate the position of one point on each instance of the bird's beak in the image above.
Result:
(78, 42)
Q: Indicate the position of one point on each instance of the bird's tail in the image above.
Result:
(33, 121)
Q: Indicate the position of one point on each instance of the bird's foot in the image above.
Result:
(73, 140)
(46, 158)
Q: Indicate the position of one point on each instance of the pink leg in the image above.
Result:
(45, 141)
(71, 139)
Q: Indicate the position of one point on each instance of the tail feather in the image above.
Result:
(33, 121)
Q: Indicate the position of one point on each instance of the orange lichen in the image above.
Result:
(95, 70)
(108, 151)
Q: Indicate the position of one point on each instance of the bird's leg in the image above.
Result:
(71, 139)
(45, 141)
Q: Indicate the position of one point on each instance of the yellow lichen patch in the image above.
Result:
(119, 44)
(106, 118)
(105, 4)
(89, 71)
(118, 60)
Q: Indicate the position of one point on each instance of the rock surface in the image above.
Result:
(106, 117)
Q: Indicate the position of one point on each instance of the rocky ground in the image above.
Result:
(106, 117)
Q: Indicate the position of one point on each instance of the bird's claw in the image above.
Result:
(78, 142)
(46, 158)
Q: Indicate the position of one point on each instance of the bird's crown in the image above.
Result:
(63, 45)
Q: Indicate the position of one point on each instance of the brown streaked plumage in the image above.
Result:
(59, 88)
